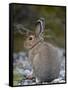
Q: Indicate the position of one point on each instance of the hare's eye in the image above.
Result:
(30, 38)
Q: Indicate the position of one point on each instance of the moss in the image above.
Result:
(17, 77)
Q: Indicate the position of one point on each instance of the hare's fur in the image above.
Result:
(45, 61)
(43, 56)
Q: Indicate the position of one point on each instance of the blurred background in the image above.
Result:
(23, 20)
(26, 16)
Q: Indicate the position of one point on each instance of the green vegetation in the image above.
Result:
(17, 77)
(54, 23)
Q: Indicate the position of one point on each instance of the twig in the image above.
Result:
(21, 29)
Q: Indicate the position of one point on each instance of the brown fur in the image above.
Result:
(44, 58)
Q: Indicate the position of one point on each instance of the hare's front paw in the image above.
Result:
(37, 81)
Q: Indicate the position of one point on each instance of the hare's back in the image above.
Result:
(49, 54)
(50, 51)
(46, 62)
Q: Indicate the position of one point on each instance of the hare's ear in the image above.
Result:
(40, 25)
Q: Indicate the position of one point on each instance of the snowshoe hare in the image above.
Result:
(43, 56)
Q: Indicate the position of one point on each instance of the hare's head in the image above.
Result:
(35, 37)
